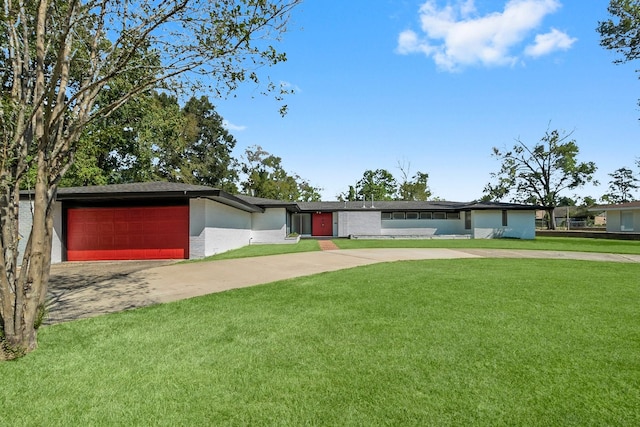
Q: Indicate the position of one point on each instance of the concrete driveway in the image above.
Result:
(79, 290)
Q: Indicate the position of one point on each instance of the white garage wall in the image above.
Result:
(24, 228)
(216, 228)
(57, 244)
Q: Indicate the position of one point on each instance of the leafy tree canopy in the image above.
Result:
(380, 184)
(621, 32)
(266, 177)
(539, 173)
(621, 187)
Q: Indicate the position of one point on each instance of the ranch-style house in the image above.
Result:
(160, 220)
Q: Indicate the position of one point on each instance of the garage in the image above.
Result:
(127, 233)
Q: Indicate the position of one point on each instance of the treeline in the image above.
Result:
(153, 138)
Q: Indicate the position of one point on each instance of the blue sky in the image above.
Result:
(435, 85)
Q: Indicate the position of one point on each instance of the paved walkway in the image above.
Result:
(88, 289)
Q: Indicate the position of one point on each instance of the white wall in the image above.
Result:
(56, 243)
(216, 228)
(269, 226)
(488, 224)
(615, 223)
(422, 227)
(25, 218)
(358, 223)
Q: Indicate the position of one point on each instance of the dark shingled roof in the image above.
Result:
(402, 205)
(270, 203)
(617, 207)
(155, 190)
(168, 190)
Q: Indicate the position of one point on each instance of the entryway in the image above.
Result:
(322, 224)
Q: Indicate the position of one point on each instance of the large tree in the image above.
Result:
(136, 143)
(539, 173)
(264, 176)
(56, 58)
(207, 157)
(380, 184)
(621, 32)
(414, 188)
(376, 184)
(151, 138)
(623, 183)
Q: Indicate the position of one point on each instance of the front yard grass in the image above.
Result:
(439, 342)
(539, 243)
(306, 245)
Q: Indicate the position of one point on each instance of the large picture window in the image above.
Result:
(301, 223)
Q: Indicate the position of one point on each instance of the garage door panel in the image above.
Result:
(128, 233)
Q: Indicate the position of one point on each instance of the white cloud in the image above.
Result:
(230, 126)
(550, 42)
(284, 85)
(456, 36)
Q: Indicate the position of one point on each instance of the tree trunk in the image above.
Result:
(551, 223)
(23, 294)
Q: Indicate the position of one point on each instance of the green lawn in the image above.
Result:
(447, 342)
(305, 245)
(540, 243)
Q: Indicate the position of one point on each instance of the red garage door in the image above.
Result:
(160, 232)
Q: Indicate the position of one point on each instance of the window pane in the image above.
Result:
(439, 215)
(453, 215)
(425, 215)
(386, 215)
(301, 223)
(398, 215)
(412, 215)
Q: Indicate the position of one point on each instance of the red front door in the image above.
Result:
(322, 224)
(159, 232)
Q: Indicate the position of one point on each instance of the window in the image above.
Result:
(386, 215)
(439, 215)
(425, 215)
(398, 215)
(301, 223)
(413, 215)
(626, 221)
(504, 218)
(453, 215)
